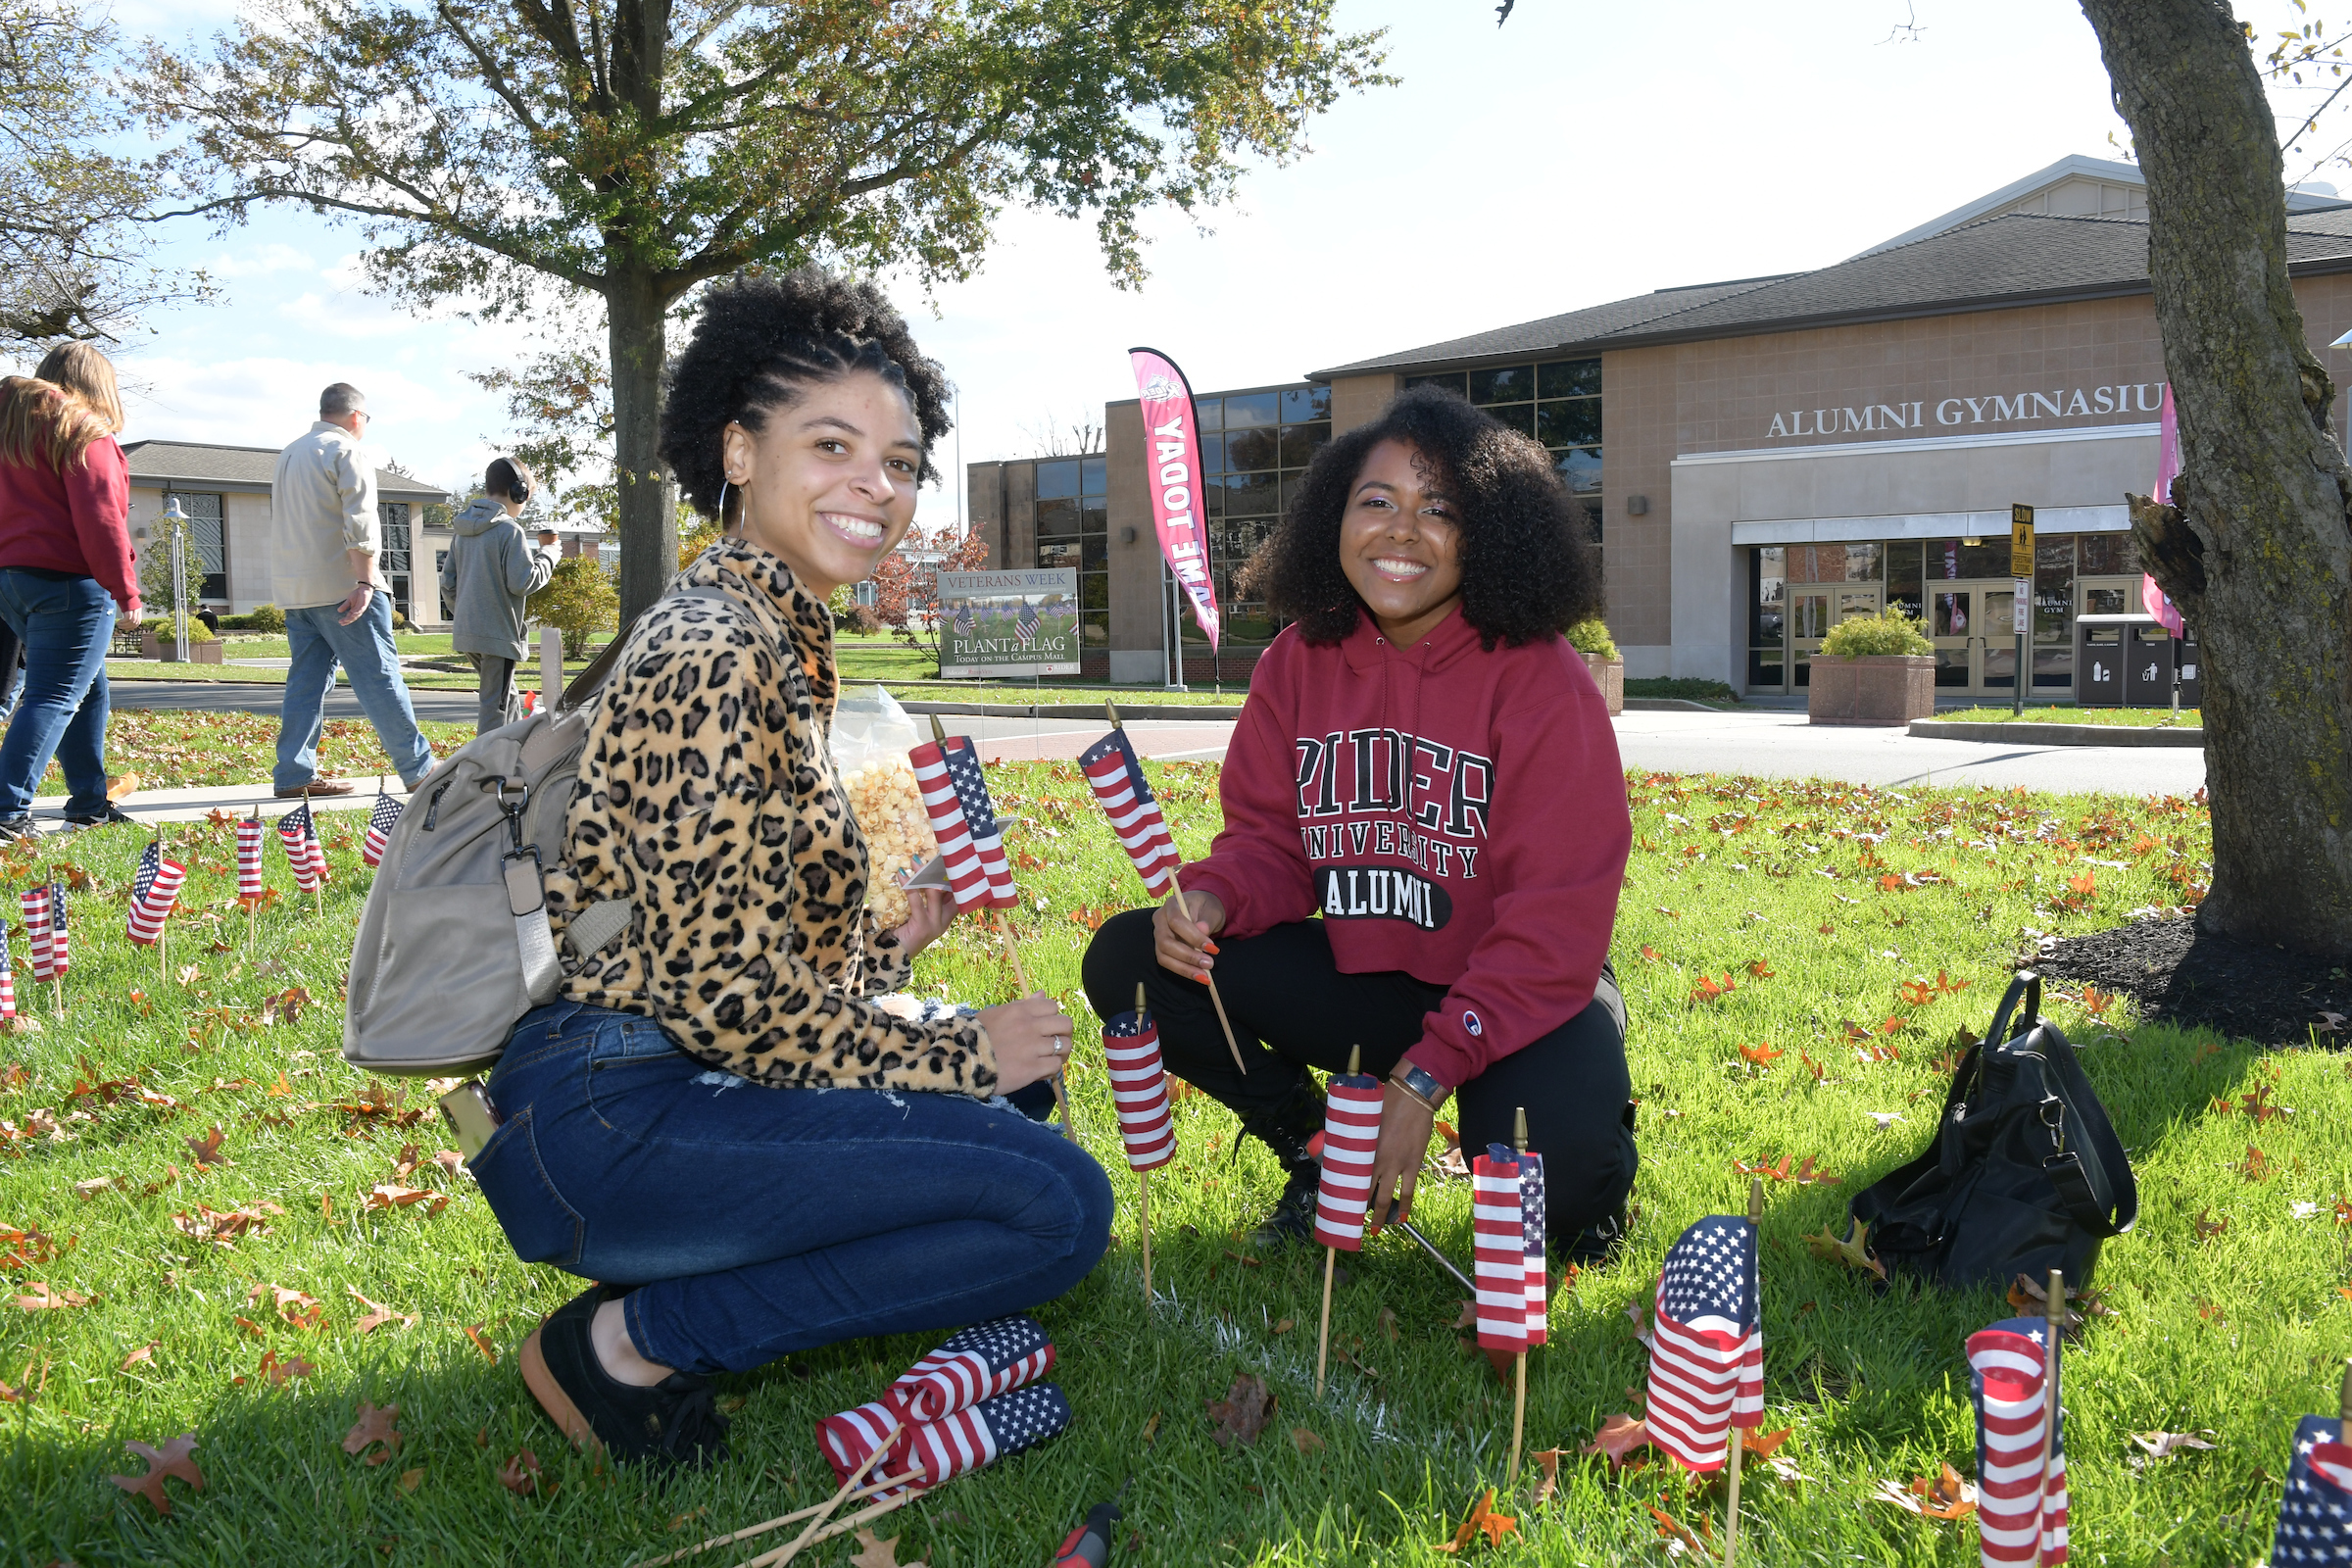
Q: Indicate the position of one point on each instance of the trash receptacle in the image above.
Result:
(2101, 651)
(2148, 667)
(2192, 662)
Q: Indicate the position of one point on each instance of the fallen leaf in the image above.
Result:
(1242, 1414)
(1306, 1442)
(379, 1314)
(1652, 954)
(1947, 1496)
(141, 1356)
(1763, 1055)
(296, 1308)
(46, 1298)
(490, 1355)
(1619, 1436)
(878, 1553)
(85, 1191)
(1673, 1530)
(374, 1426)
(1853, 1252)
(2207, 1228)
(1284, 1325)
(1388, 1324)
(2163, 1445)
(1760, 970)
(391, 1194)
(1484, 1523)
(521, 1474)
(171, 1459)
(408, 1478)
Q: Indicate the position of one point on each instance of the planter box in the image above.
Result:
(153, 647)
(1609, 675)
(1870, 689)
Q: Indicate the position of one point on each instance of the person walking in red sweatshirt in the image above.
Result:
(1425, 832)
(66, 570)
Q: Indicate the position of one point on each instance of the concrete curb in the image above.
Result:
(1679, 704)
(2029, 733)
(1137, 714)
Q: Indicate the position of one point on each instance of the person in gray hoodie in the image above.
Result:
(489, 574)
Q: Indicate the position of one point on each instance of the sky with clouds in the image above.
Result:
(1582, 153)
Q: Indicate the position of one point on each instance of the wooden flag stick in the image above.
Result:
(1519, 1362)
(1331, 1258)
(1731, 1504)
(2054, 1313)
(2343, 1404)
(1061, 1101)
(1231, 1044)
(1144, 1212)
(839, 1526)
(783, 1519)
(786, 1553)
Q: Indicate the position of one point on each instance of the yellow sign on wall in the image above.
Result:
(2021, 542)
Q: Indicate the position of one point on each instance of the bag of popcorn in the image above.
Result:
(871, 737)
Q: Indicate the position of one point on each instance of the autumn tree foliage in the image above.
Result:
(906, 583)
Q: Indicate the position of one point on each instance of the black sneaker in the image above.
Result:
(108, 816)
(20, 827)
(1293, 1218)
(673, 1422)
(1596, 1246)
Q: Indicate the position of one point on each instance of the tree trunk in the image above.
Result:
(2257, 546)
(649, 524)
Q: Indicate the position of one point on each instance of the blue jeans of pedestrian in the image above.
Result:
(66, 627)
(320, 641)
(754, 1221)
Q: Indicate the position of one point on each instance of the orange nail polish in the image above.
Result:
(1200, 976)
(1211, 947)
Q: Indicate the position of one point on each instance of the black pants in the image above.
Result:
(1291, 1009)
(496, 693)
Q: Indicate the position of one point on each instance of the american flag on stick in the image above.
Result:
(1120, 789)
(1706, 1355)
(1350, 1134)
(304, 852)
(33, 902)
(1138, 1090)
(1499, 1234)
(60, 949)
(7, 978)
(154, 893)
(250, 839)
(978, 1363)
(1538, 1279)
(956, 795)
(943, 1449)
(2021, 1513)
(1024, 625)
(380, 826)
(2314, 1513)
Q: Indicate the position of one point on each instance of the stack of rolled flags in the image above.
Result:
(972, 1401)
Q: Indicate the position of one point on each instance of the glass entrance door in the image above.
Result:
(1813, 611)
(1973, 628)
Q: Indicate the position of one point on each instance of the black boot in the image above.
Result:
(1286, 1127)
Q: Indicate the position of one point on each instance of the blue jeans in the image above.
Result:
(756, 1221)
(66, 628)
(319, 642)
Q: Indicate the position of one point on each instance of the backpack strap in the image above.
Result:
(2066, 1170)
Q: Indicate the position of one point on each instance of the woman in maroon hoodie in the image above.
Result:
(1424, 831)
(65, 568)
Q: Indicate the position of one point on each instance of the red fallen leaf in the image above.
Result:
(296, 1308)
(521, 1474)
(1806, 1176)
(1827, 929)
(1619, 1436)
(251, 1327)
(374, 1426)
(1763, 1055)
(1484, 1522)
(1652, 954)
(2208, 1228)
(1764, 1445)
(1853, 1252)
(1672, 1528)
(1811, 1066)
(1242, 1414)
(1776, 1173)
(46, 1298)
(2086, 884)
(490, 1355)
(1853, 1030)
(144, 1354)
(1550, 1459)
(276, 1371)
(379, 1314)
(171, 1459)
(1947, 1496)
(1916, 993)
(1948, 984)
(2256, 1166)
(1761, 969)
(391, 1194)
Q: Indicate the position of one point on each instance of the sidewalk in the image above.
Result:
(194, 806)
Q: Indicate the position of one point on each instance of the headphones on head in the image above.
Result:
(519, 479)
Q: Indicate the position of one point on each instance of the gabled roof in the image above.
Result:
(196, 465)
(2015, 259)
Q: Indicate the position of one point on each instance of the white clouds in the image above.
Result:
(267, 402)
(260, 260)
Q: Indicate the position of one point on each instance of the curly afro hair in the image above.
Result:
(761, 338)
(1529, 569)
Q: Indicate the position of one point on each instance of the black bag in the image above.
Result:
(2025, 1173)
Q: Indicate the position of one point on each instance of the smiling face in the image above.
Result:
(829, 485)
(1400, 541)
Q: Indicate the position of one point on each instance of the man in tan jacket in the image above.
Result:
(324, 535)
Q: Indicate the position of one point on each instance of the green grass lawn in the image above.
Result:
(2135, 718)
(1822, 910)
(172, 747)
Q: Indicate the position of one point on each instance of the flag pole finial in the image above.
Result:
(1141, 1017)
(1112, 709)
(1756, 1199)
(1355, 1060)
(1519, 1130)
(2343, 1401)
(939, 731)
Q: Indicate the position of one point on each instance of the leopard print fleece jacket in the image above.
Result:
(707, 797)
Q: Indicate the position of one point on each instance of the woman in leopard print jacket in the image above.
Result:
(719, 1112)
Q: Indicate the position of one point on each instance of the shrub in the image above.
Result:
(269, 618)
(578, 600)
(165, 632)
(1689, 688)
(1592, 636)
(1888, 632)
(859, 620)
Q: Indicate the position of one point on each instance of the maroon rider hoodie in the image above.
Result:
(1455, 813)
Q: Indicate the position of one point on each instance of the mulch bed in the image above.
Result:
(2198, 979)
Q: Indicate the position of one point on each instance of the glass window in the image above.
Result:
(1057, 518)
(2108, 554)
(1093, 627)
(1568, 379)
(1094, 476)
(1520, 416)
(2053, 667)
(1212, 454)
(1056, 479)
(1989, 557)
(1515, 384)
(1573, 424)
(1581, 468)
(1941, 559)
(1454, 381)
(1250, 450)
(1902, 558)
(2053, 594)
(1255, 408)
(2104, 602)
(393, 517)
(208, 541)
(1252, 495)
(1095, 556)
(1862, 561)
(1209, 493)
(1765, 669)
(1094, 519)
(1209, 413)
(1093, 593)
(1304, 403)
(1300, 443)
(1809, 615)
(1052, 554)
(1951, 615)
(1769, 596)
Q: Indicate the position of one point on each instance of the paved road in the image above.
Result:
(1773, 743)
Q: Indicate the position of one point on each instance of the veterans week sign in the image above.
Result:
(1174, 472)
(1009, 622)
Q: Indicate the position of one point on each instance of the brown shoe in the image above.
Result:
(316, 786)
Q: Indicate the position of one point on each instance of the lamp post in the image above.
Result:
(178, 521)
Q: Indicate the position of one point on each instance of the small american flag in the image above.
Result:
(379, 827)
(34, 903)
(965, 623)
(979, 1363)
(61, 950)
(1350, 1134)
(963, 822)
(7, 978)
(154, 893)
(2021, 1516)
(249, 857)
(1538, 1280)
(1500, 1235)
(1139, 1089)
(1024, 625)
(946, 1449)
(1126, 799)
(1706, 1353)
(2315, 1517)
(304, 852)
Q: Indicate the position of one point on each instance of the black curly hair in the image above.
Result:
(1529, 569)
(761, 338)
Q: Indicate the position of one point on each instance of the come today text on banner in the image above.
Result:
(1008, 623)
